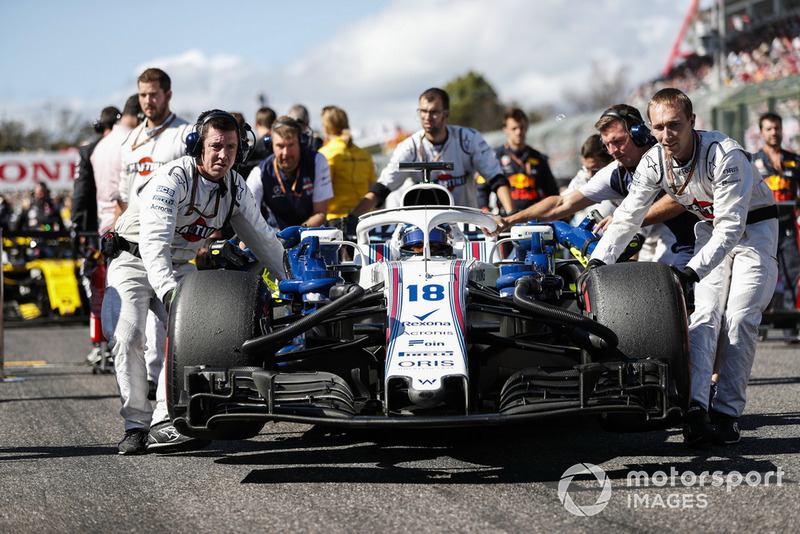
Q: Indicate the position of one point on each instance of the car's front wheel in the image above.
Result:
(213, 313)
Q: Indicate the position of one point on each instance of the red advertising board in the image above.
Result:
(20, 170)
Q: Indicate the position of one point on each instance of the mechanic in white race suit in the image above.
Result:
(734, 265)
(167, 221)
(159, 139)
(464, 147)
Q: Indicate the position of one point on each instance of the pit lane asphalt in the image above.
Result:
(59, 470)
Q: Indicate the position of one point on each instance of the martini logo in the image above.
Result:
(604, 488)
(145, 166)
(705, 209)
(195, 231)
(450, 182)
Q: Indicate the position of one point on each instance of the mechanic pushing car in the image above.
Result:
(626, 138)
(167, 221)
(734, 265)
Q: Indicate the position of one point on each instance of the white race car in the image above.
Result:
(428, 324)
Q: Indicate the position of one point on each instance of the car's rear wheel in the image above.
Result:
(213, 313)
(642, 302)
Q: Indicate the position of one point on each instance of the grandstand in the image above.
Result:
(736, 59)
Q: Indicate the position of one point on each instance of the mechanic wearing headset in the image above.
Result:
(627, 139)
(168, 219)
(293, 185)
(437, 141)
(734, 264)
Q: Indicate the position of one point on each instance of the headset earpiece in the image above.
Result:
(303, 137)
(194, 144)
(637, 129)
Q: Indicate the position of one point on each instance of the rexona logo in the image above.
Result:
(423, 317)
(604, 488)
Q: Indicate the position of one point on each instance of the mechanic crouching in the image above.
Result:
(171, 213)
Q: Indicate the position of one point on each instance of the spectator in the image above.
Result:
(352, 168)
(41, 212)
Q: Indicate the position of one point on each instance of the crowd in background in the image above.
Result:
(769, 52)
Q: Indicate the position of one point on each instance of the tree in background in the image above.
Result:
(70, 131)
(474, 103)
(604, 88)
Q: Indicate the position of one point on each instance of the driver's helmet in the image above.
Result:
(412, 241)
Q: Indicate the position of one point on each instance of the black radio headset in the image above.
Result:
(639, 132)
(194, 141)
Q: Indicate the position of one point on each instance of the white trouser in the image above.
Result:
(128, 299)
(156, 340)
(729, 302)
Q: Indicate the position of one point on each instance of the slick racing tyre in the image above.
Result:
(643, 304)
(212, 314)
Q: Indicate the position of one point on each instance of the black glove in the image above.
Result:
(593, 264)
(687, 277)
(169, 296)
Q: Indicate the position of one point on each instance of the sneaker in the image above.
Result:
(726, 428)
(134, 442)
(164, 437)
(697, 429)
(151, 390)
(94, 357)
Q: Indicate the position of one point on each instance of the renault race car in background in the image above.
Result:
(432, 325)
(41, 278)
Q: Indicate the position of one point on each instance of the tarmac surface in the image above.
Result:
(60, 471)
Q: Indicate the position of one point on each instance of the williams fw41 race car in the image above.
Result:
(430, 324)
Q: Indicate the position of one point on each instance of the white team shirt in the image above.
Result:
(175, 209)
(723, 188)
(146, 149)
(464, 147)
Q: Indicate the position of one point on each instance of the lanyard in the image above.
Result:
(280, 179)
(193, 208)
(525, 166)
(151, 137)
(691, 171)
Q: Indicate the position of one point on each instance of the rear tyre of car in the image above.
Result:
(643, 303)
(213, 313)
